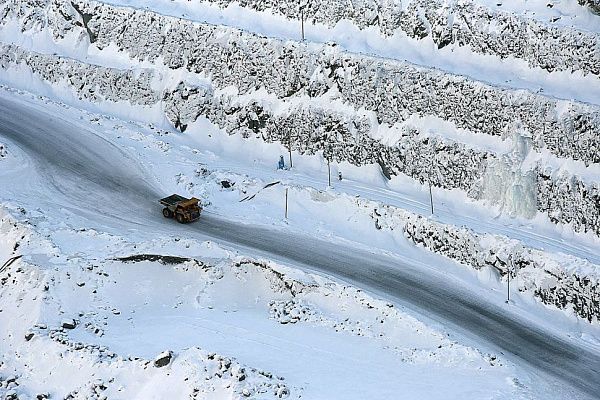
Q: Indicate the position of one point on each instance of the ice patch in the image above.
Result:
(508, 183)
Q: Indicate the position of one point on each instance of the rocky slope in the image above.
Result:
(465, 23)
(371, 92)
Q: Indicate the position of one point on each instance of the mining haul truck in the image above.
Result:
(182, 209)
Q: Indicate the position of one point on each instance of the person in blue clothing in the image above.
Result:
(281, 164)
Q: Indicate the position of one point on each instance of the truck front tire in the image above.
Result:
(180, 218)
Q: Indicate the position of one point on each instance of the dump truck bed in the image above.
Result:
(172, 200)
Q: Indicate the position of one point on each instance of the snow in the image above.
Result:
(227, 305)
(357, 345)
(456, 165)
(119, 306)
(193, 174)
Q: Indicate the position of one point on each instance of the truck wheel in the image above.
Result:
(167, 213)
(180, 218)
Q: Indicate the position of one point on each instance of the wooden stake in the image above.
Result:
(302, 19)
(286, 203)
(329, 171)
(290, 148)
(508, 265)
(430, 197)
(508, 286)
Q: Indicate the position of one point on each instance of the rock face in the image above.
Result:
(393, 90)
(163, 359)
(593, 5)
(483, 30)
(461, 23)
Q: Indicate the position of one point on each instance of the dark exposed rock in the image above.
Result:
(163, 359)
(163, 259)
(68, 324)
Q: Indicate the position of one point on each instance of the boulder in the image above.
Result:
(163, 359)
(68, 323)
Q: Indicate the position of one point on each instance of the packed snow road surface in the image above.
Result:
(87, 175)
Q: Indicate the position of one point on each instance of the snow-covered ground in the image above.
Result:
(266, 319)
(102, 298)
(236, 328)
